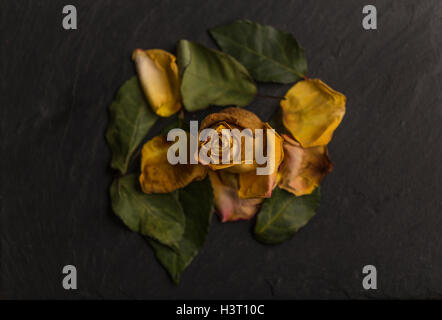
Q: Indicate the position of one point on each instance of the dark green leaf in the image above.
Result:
(197, 201)
(210, 77)
(130, 121)
(283, 214)
(158, 216)
(269, 54)
(176, 122)
(276, 122)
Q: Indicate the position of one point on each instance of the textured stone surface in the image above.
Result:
(381, 205)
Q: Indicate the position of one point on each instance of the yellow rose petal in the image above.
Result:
(312, 111)
(158, 175)
(303, 168)
(252, 185)
(158, 74)
(229, 206)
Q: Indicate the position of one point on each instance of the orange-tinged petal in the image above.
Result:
(303, 168)
(312, 111)
(158, 175)
(229, 206)
(158, 74)
(252, 185)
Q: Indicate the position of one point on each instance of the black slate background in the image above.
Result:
(381, 205)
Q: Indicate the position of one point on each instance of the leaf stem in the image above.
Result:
(269, 96)
(136, 155)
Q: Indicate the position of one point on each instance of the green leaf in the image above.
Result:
(211, 77)
(130, 121)
(158, 216)
(176, 122)
(197, 201)
(283, 214)
(276, 122)
(269, 54)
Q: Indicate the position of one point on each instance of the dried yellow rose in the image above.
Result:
(238, 189)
